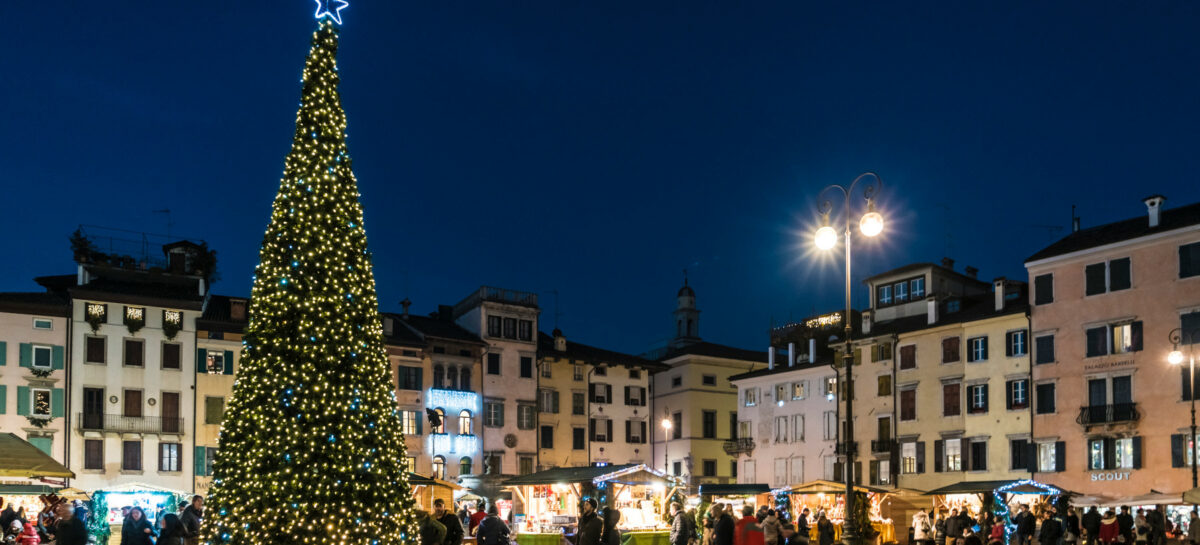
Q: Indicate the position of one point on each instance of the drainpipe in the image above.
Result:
(587, 409)
(67, 367)
(894, 471)
(1030, 465)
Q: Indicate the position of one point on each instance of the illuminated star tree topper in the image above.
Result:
(324, 9)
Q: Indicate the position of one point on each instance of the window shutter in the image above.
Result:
(592, 428)
(608, 393)
(228, 362)
(1008, 344)
(628, 396)
(420, 424)
(1060, 456)
(986, 402)
(964, 447)
(628, 428)
(200, 462)
(642, 427)
(201, 356)
(1135, 330)
(1110, 452)
(874, 352)
(554, 400)
(3, 398)
(1137, 452)
(939, 450)
(3, 353)
(1008, 395)
(26, 355)
(1177, 447)
(981, 462)
(608, 430)
(56, 403)
(1031, 457)
(23, 400)
(1184, 376)
(985, 348)
(56, 356)
(920, 457)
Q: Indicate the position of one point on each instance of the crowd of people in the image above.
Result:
(66, 525)
(1050, 527)
(763, 526)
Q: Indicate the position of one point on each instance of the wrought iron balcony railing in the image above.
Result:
(129, 424)
(1108, 414)
(841, 448)
(882, 445)
(739, 445)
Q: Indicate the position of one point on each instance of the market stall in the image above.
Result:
(22, 461)
(736, 496)
(830, 498)
(546, 504)
(1001, 498)
(427, 489)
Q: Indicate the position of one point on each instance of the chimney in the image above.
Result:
(972, 272)
(771, 357)
(237, 309)
(866, 322)
(948, 263)
(388, 325)
(791, 354)
(999, 287)
(405, 304)
(560, 341)
(445, 313)
(931, 305)
(1154, 207)
(812, 350)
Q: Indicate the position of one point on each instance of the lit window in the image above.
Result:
(885, 295)
(215, 362)
(439, 467)
(901, 290)
(464, 423)
(408, 422)
(953, 454)
(41, 402)
(1047, 457)
(578, 372)
(908, 458)
(781, 393)
(751, 397)
(918, 287)
(798, 389)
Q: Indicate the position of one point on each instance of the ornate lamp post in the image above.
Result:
(870, 224)
(1188, 339)
(666, 426)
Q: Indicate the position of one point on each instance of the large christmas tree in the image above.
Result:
(311, 450)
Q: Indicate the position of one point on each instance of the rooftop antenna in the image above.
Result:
(1074, 220)
(170, 223)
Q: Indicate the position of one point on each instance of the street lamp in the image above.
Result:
(1188, 339)
(870, 224)
(666, 425)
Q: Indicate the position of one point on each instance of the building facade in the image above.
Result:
(1110, 413)
(219, 333)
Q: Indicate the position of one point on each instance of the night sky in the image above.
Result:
(598, 149)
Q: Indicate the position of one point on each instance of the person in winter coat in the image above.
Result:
(939, 529)
(610, 535)
(1051, 528)
(1141, 528)
(747, 531)
(723, 528)
(710, 522)
(454, 529)
(590, 526)
(7, 517)
(984, 522)
(996, 536)
(1109, 528)
(803, 534)
(771, 528)
(824, 531)
(1026, 525)
(476, 517)
(1125, 523)
(682, 527)
(137, 530)
(431, 531)
(1193, 531)
(1091, 525)
(28, 535)
(954, 528)
(491, 530)
(922, 529)
(69, 530)
(172, 530)
(1071, 527)
(190, 519)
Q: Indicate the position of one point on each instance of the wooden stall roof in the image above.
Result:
(831, 487)
(739, 489)
(18, 458)
(565, 475)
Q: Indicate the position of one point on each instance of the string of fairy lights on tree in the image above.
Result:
(310, 450)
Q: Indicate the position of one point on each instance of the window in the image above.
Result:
(881, 471)
(546, 369)
(43, 323)
(977, 398)
(709, 468)
(93, 454)
(168, 457)
(1043, 289)
(885, 385)
(799, 390)
(1015, 343)
(409, 378)
(578, 401)
(171, 355)
(1105, 277)
(94, 350)
(548, 400)
(134, 353)
(493, 414)
(635, 431)
(214, 409)
(493, 364)
(1045, 398)
(707, 380)
(829, 426)
(978, 349)
(978, 456)
(951, 402)
(1045, 349)
(908, 404)
(952, 306)
(797, 428)
(1017, 394)
(525, 330)
(677, 425)
(885, 295)
(41, 356)
(601, 429)
(40, 402)
(744, 429)
(526, 367)
(214, 361)
(438, 424)
(510, 328)
(131, 455)
(408, 423)
(1189, 260)
(635, 374)
(917, 287)
(439, 377)
(1018, 454)
(465, 426)
(900, 292)
(439, 467)
(451, 376)
(635, 396)
(493, 326)
(1114, 339)
(750, 396)
(952, 461)
(950, 350)
(677, 469)
(578, 438)
(831, 388)
(578, 371)
(908, 357)
(908, 458)
(546, 437)
(601, 393)
(464, 465)
(133, 403)
(526, 416)
(492, 463)
(781, 429)
(781, 393)
(1048, 455)
(708, 421)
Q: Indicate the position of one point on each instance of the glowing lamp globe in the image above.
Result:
(1175, 357)
(666, 423)
(871, 224)
(826, 238)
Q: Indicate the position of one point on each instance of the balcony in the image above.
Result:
(881, 446)
(129, 424)
(840, 448)
(739, 445)
(1108, 414)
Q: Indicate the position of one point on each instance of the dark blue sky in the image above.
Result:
(599, 148)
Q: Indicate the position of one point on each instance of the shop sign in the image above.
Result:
(1111, 476)
(1108, 365)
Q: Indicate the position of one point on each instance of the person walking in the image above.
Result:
(172, 530)
(922, 529)
(590, 526)
(491, 530)
(431, 531)
(1071, 527)
(771, 528)
(747, 531)
(454, 529)
(1091, 526)
(190, 520)
(824, 530)
(1026, 525)
(954, 528)
(476, 517)
(1125, 524)
(682, 529)
(724, 527)
(611, 535)
(137, 530)
(939, 529)
(1051, 528)
(70, 529)
(710, 521)
(1109, 529)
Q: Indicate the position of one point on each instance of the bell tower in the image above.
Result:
(687, 316)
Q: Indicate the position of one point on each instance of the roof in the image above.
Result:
(912, 267)
(148, 293)
(216, 316)
(41, 302)
(969, 487)
(778, 370)
(830, 487)
(1109, 233)
(971, 308)
(591, 354)
(715, 351)
(583, 474)
(438, 328)
(739, 489)
(18, 458)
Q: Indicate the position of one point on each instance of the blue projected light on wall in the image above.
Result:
(443, 443)
(452, 401)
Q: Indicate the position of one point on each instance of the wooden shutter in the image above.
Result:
(908, 404)
(200, 463)
(628, 396)
(642, 427)
(951, 401)
(554, 401)
(56, 356)
(421, 422)
(920, 456)
(25, 355)
(628, 429)
(1178, 446)
(1008, 344)
(950, 350)
(1060, 456)
(981, 460)
(3, 397)
(1137, 452)
(23, 400)
(908, 357)
(985, 348)
(986, 401)
(228, 363)
(964, 447)
(874, 468)
(56, 403)
(592, 428)
(874, 352)
(608, 429)
(1008, 395)
(201, 361)
(939, 453)
(1135, 330)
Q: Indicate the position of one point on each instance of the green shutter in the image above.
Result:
(3, 353)
(201, 355)
(26, 355)
(228, 362)
(3, 399)
(200, 462)
(56, 403)
(419, 422)
(56, 356)
(44, 444)
(23, 400)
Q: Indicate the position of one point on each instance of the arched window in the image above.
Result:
(439, 374)
(439, 467)
(464, 422)
(464, 466)
(440, 426)
(464, 380)
(452, 377)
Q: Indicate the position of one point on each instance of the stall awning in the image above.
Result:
(1153, 498)
(18, 458)
(740, 489)
(1192, 496)
(831, 487)
(25, 490)
(565, 475)
(418, 479)
(969, 487)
